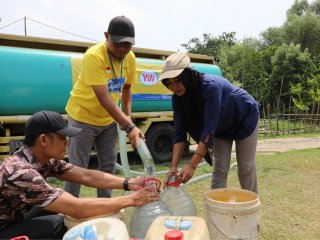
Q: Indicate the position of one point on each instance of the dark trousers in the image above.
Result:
(37, 224)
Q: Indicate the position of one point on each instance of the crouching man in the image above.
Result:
(29, 205)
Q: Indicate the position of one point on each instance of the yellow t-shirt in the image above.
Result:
(83, 105)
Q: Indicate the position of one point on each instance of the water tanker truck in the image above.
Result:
(38, 74)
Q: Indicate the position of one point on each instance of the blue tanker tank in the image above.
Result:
(32, 80)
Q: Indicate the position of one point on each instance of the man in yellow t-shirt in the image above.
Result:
(108, 70)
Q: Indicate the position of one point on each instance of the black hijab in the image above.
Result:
(191, 104)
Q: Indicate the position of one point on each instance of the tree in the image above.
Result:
(298, 8)
(267, 54)
(314, 7)
(304, 30)
(243, 65)
(307, 93)
(272, 36)
(303, 26)
(290, 67)
(210, 45)
(277, 68)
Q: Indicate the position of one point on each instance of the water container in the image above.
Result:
(98, 229)
(232, 213)
(178, 200)
(146, 158)
(197, 230)
(70, 222)
(143, 217)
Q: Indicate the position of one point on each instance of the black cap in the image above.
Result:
(121, 29)
(48, 121)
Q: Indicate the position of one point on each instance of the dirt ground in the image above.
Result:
(284, 144)
(287, 144)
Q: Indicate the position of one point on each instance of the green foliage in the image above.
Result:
(267, 54)
(210, 45)
(303, 105)
(290, 67)
(305, 94)
(303, 30)
(279, 67)
(299, 8)
(272, 37)
(314, 7)
(244, 64)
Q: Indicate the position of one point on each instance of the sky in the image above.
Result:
(159, 24)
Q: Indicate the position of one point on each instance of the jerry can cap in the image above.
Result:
(172, 181)
(173, 235)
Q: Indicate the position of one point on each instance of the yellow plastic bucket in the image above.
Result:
(232, 213)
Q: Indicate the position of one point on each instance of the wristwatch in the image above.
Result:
(130, 127)
(126, 184)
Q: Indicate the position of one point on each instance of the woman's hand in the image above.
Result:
(186, 173)
(172, 172)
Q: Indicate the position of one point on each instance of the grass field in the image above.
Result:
(289, 191)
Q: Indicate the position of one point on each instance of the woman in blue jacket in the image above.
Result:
(215, 113)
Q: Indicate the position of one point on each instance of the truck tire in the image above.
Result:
(159, 141)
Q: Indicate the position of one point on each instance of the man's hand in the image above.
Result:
(143, 196)
(136, 183)
(134, 136)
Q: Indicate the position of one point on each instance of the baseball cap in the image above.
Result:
(48, 121)
(174, 65)
(121, 29)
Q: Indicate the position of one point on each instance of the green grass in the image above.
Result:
(290, 195)
(264, 137)
(289, 190)
(279, 127)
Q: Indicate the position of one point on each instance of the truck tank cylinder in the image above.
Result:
(33, 80)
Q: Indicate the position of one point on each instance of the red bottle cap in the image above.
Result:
(20, 238)
(172, 182)
(173, 235)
